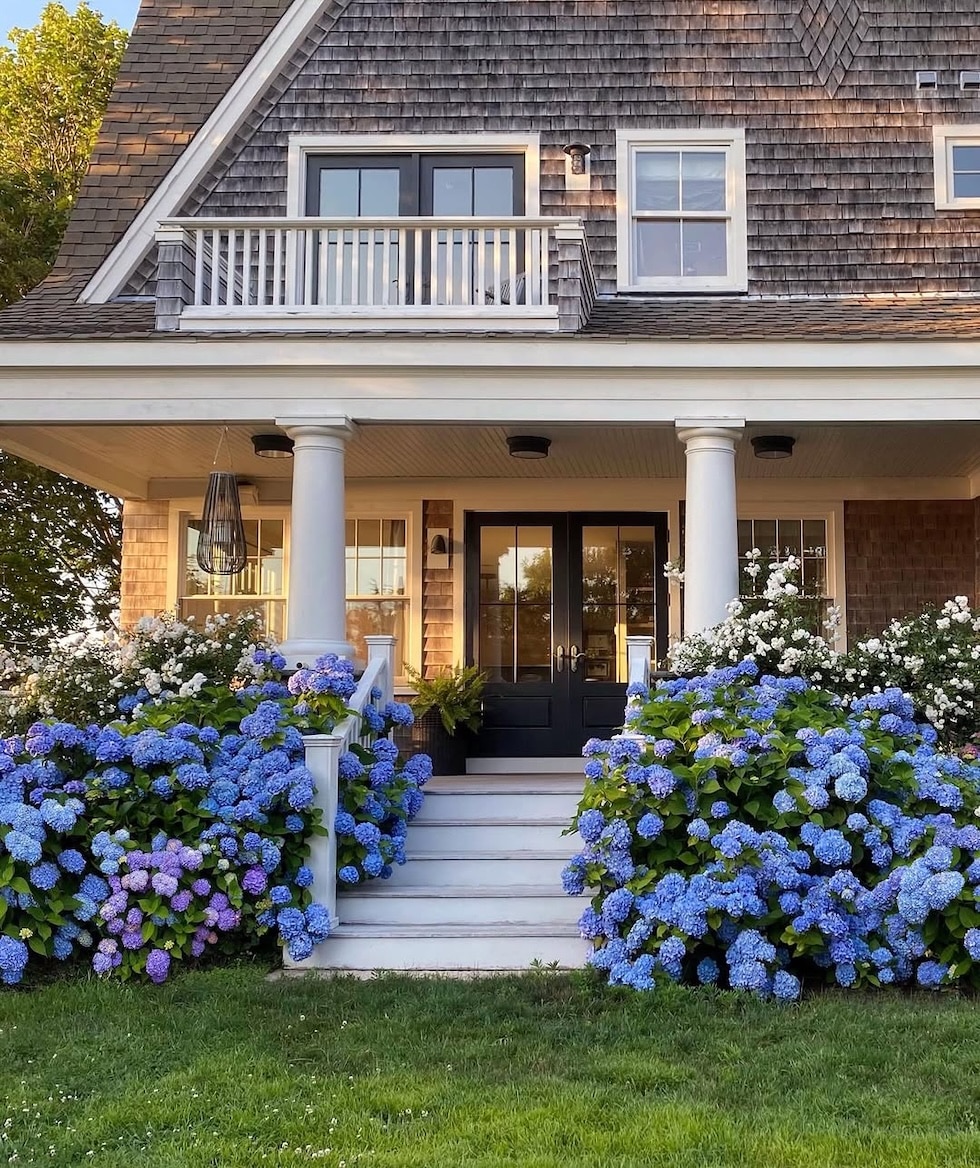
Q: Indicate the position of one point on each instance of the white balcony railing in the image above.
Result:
(423, 268)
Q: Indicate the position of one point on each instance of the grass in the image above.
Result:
(224, 1069)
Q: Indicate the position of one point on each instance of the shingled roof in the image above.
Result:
(181, 59)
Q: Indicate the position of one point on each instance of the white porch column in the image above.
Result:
(315, 607)
(711, 532)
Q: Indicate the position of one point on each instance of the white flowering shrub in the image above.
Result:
(774, 631)
(93, 677)
(934, 658)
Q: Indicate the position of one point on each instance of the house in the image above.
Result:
(495, 306)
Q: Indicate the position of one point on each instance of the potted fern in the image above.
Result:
(448, 710)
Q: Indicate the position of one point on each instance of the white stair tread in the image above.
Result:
(434, 932)
(503, 856)
(505, 785)
(381, 888)
(504, 821)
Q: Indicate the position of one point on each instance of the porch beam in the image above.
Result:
(316, 609)
(711, 524)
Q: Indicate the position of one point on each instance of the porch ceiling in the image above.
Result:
(167, 460)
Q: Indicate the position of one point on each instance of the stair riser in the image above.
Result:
(454, 805)
(460, 910)
(439, 953)
(432, 837)
(467, 873)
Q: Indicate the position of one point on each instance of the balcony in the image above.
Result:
(434, 274)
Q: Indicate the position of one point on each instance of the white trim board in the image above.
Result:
(302, 145)
(206, 145)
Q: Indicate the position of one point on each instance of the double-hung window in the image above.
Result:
(957, 160)
(681, 199)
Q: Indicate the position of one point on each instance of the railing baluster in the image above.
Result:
(338, 265)
(418, 238)
(512, 265)
(246, 266)
(402, 289)
(436, 294)
(230, 280)
(385, 266)
(530, 268)
(278, 275)
(498, 269)
(308, 266)
(261, 263)
(369, 267)
(199, 266)
(215, 265)
(355, 267)
(481, 264)
(323, 258)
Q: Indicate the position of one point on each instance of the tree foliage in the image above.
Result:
(59, 540)
(54, 84)
(59, 556)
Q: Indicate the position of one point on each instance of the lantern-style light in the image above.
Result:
(221, 547)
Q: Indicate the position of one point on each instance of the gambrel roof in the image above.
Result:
(839, 142)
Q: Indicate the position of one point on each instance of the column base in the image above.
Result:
(304, 653)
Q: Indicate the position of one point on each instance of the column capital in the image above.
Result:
(727, 429)
(311, 431)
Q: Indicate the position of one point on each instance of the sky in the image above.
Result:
(25, 13)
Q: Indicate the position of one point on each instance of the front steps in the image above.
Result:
(482, 887)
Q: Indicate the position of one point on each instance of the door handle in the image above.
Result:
(575, 655)
(559, 658)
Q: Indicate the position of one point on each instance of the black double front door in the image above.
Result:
(550, 600)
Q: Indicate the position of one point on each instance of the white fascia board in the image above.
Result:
(546, 353)
(193, 163)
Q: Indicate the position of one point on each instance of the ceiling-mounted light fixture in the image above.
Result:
(528, 446)
(272, 445)
(773, 446)
(577, 152)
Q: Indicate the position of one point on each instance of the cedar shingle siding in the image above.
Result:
(840, 188)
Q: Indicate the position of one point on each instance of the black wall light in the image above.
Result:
(577, 152)
(773, 446)
(528, 446)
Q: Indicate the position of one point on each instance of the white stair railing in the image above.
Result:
(257, 265)
(323, 752)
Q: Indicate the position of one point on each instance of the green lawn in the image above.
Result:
(224, 1069)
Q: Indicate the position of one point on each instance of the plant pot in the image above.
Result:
(428, 736)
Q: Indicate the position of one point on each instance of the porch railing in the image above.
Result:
(323, 752)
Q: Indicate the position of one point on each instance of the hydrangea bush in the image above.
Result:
(185, 828)
(761, 833)
(84, 676)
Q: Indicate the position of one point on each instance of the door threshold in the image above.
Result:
(524, 766)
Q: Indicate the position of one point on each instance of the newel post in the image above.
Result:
(639, 660)
(382, 646)
(322, 759)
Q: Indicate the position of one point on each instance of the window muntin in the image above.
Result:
(957, 165)
(261, 585)
(682, 211)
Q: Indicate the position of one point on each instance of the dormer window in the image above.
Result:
(681, 199)
(957, 160)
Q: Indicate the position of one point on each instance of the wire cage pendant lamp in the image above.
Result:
(221, 547)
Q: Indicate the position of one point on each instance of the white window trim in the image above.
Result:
(301, 146)
(944, 138)
(733, 141)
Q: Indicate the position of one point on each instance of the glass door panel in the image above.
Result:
(516, 603)
(618, 595)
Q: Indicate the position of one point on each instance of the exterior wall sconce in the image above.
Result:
(577, 168)
(773, 446)
(528, 446)
(272, 445)
(437, 551)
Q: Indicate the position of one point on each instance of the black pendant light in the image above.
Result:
(221, 549)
